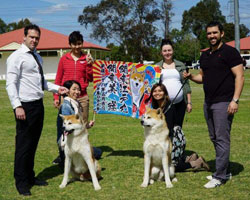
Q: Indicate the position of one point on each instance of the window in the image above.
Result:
(246, 57)
(48, 53)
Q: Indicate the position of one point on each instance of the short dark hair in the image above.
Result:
(215, 23)
(31, 27)
(69, 83)
(74, 37)
(166, 42)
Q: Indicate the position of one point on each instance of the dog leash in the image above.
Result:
(172, 102)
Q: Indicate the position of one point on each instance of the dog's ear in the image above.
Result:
(133, 70)
(148, 108)
(143, 76)
(159, 111)
(77, 116)
(62, 116)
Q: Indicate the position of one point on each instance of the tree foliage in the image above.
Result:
(129, 22)
(229, 32)
(186, 46)
(21, 24)
(132, 26)
(13, 26)
(197, 17)
(3, 26)
(167, 14)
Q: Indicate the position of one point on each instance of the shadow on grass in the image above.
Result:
(132, 153)
(50, 172)
(235, 168)
(106, 148)
(55, 170)
(188, 152)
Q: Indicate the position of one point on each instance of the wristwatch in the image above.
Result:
(236, 100)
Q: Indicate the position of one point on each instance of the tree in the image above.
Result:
(117, 52)
(130, 26)
(186, 47)
(166, 7)
(13, 26)
(197, 17)
(3, 26)
(229, 32)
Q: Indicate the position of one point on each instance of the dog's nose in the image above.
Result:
(142, 122)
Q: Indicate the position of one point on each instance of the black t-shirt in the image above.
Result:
(218, 79)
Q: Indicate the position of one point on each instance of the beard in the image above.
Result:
(218, 41)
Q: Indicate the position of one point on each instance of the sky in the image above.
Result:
(61, 15)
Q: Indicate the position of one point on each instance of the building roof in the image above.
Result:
(244, 44)
(49, 40)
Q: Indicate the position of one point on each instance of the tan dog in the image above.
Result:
(79, 157)
(157, 148)
(137, 87)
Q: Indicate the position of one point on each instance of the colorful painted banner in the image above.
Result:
(122, 87)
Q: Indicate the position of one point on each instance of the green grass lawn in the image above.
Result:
(121, 139)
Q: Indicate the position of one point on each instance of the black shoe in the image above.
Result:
(57, 160)
(40, 182)
(27, 193)
(24, 192)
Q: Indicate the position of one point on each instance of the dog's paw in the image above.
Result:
(174, 179)
(151, 181)
(97, 187)
(62, 186)
(144, 185)
(82, 177)
(169, 185)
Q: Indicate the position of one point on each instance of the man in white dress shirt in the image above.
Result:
(25, 84)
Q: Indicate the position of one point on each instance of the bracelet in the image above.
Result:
(189, 103)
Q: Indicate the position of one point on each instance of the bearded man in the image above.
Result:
(223, 78)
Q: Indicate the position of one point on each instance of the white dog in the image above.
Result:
(79, 157)
(157, 148)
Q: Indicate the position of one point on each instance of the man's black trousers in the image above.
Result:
(28, 133)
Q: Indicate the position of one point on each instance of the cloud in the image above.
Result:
(34, 20)
(54, 8)
(67, 1)
(53, 1)
(244, 15)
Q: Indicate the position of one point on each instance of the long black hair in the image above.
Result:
(154, 103)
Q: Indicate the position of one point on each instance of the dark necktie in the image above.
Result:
(40, 68)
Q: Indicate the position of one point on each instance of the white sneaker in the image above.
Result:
(213, 183)
(228, 177)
